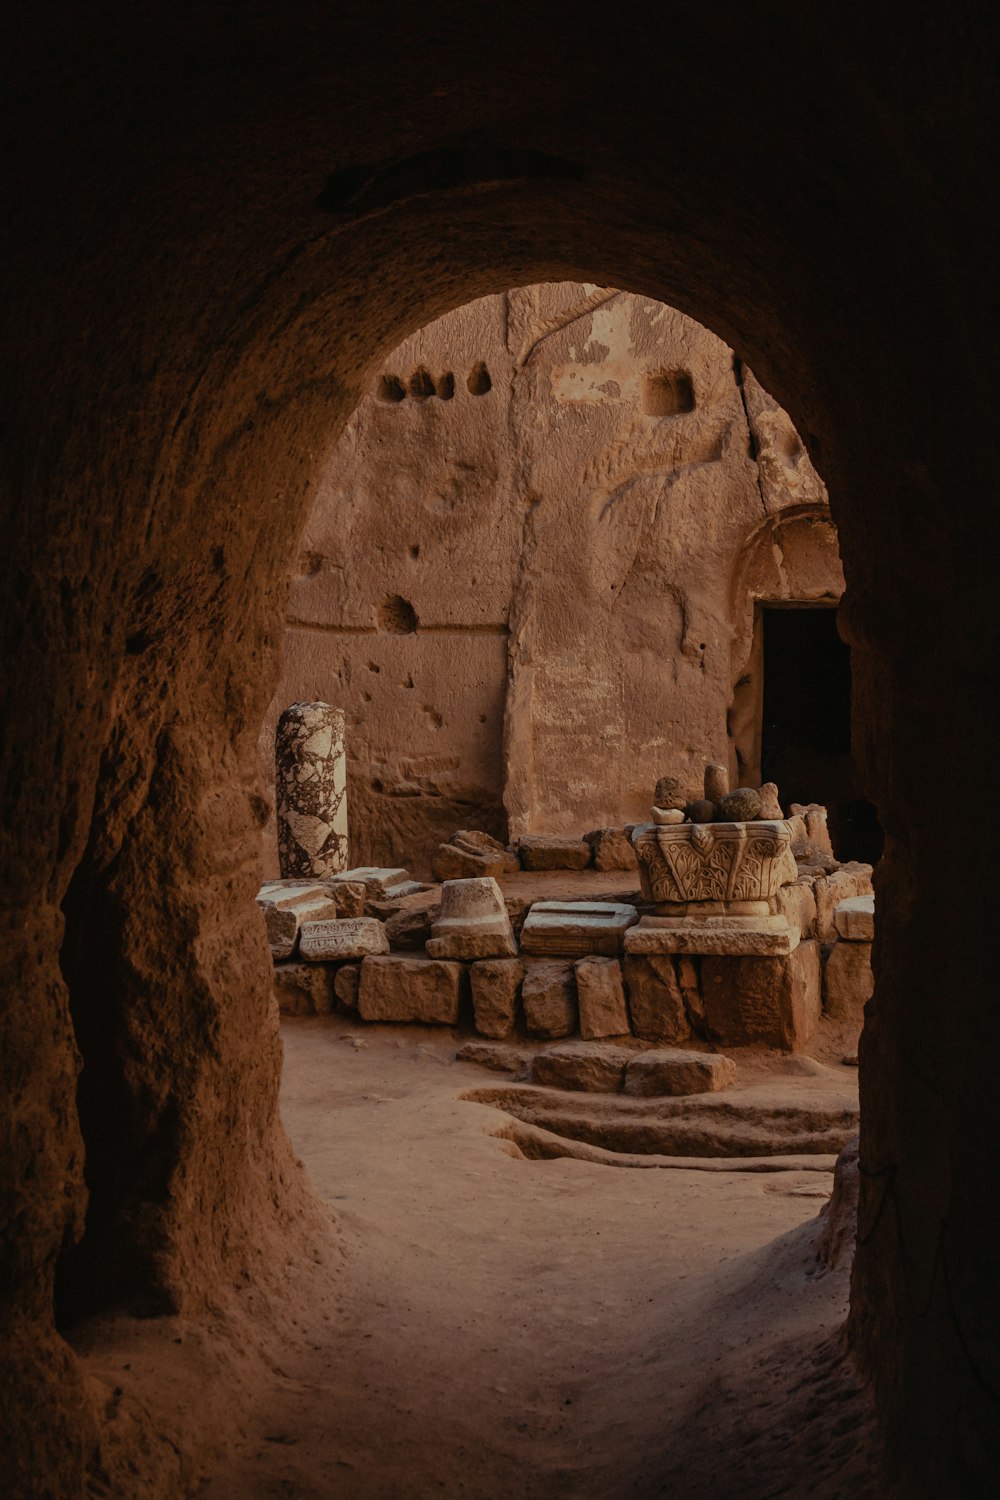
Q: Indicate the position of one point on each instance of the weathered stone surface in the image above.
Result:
(346, 983)
(700, 810)
(666, 816)
(669, 792)
(770, 805)
(722, 861)
(401, 988)
(739, 806)
(409, 928)
(473, 922)
(849, 880)
(470, 853)
(672, 1070)
(377, 880)
(594, 1067)
(302, 989)
(854, 919)
(612, 849)
(553, 851)
(574, 928)
(343, 937)
(281, 924)
(797, 904)
(815, 824)
(548, 995)
(499, 1057)
(774, 1002)
(762, 937)
(350, 896)
(600, 993)
(848, 981)
(655, 1001)
(311, 790)
(289, 892)
(716, 782)
(496, 986)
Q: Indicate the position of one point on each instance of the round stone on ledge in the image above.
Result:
(701, 811)
(739, 806)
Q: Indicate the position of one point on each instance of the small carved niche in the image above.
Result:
(421, 385)
(396, 615)
(390, 388)
(478, 381)
(446, 386)
(667, 393)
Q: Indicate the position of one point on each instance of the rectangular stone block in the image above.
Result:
(773, 1002)
(600, 994)
(854, 919)
(342, 937)
(548, 995)
(398, 987)
(655, 1001)
(853, 879)
(848, 981)
(302, 989)
(575, 928)
(755, 937)
(593, 1067)
(496, 987)
(376, 879)
(612, 849)
(797, 904)
(553, 851)
(671, 1070)
(469, 854)
(289, 892)
(282, 928)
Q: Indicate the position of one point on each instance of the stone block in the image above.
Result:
(655, 1001)
(350, 896)
(612, 849)
(346, 982)
(499, 1057)
(797, 904)
(473, 922)
(574, 928)
(848, 981)
(593, 1067)
(600, 994)
(812, 817)
(281, 924)
(289, 892)
(376, 879)
(553, 851)
(397, 987)
(854, 919)
(496, 985)
(671, 1070)
(762, 937)
(773, 1002)
(342, 937)
(852, 879)
(409, 929)
(302, 989)
(471, 854)
(548, 995)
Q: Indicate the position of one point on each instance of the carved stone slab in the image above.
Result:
(346, 937)
(760, 937)
(714, 861)
(573, 929)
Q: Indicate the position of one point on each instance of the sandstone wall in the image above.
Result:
(530, 571)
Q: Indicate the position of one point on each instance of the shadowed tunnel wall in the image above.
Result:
(217, 226)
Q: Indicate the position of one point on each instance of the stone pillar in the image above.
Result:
(311, 791)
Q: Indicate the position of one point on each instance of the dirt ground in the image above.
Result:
(501, 1328)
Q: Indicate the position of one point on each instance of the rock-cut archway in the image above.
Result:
(215, 237)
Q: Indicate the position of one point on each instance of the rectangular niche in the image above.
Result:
(667, 393)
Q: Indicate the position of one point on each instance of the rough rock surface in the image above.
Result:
(601, 998)
(774, 1002)
(593, 1067)
(346, 984)
(612, 849)
(655, 1001)
(548, 995)
(853, 879)
(399, 988)
(342, 937)
(552, 851)
(302, 989)
(472, 922)
(573, 928)
(854, 919)
(848, 981)
(739, 806)
(471, 853)
(672, 1070)
(496, 988)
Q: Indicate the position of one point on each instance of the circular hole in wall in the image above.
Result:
(396, 615)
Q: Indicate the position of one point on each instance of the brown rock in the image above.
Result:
(770, 807)
(774, 1002)
(848, 880)
(797, 904)
(399, 988)
(473, 922)
(739, 806)
(553, 851)
(281, 924)
(655, 1001)
(601, 998)
(848, 981)
(854, 919)
(349, 895)
(612, 849)
(816, 827)
(548, 995)
(669, 792)
(302, 989)
(593, 1067)
(499, 1057)
(496, 985)
(716, 782)
(408, 929)
(346, 983)
(671, 1070)
(701, 811)
(471, 854)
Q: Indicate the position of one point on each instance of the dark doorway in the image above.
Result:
(806, 730)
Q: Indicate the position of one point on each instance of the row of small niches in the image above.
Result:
(422, 385)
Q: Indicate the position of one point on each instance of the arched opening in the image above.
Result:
(198, 305)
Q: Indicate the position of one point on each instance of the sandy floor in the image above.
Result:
(510, 1328)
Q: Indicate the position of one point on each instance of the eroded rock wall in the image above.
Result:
(530, 572)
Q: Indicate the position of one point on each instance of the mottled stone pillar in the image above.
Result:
(311, 790)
